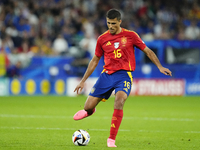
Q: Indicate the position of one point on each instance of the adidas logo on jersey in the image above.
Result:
(108, 43)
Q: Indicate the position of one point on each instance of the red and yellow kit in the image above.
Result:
(118, 50)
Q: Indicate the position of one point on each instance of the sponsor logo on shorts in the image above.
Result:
(125, 89)
(92, 91)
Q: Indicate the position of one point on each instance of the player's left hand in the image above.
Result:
(165, 71)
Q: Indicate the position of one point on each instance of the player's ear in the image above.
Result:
(120, 21)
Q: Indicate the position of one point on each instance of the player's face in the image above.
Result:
(113, 25)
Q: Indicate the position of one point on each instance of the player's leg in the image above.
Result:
(101, 90)
(123, 82)
(91, 103)
(89, 108)
(120, 99)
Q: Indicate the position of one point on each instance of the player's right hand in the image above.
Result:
(79, 88)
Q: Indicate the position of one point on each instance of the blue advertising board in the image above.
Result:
(192, 87)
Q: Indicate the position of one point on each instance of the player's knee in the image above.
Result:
(120, 100)
(119, 103)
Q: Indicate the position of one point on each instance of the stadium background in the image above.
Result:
(46, 45)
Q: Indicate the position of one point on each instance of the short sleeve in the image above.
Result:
(98, 50)
(138, 41)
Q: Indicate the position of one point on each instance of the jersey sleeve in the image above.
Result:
(138, 41)
(98, 50)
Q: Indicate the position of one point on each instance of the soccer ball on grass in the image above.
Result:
(81, 138)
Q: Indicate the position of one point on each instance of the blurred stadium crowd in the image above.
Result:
(62, 27)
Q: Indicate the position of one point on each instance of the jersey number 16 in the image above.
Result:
(117, 53)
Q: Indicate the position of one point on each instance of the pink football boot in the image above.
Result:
(82, 114)
(111, 143)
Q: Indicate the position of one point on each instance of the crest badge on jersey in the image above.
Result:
(124, 40)
(116, 44)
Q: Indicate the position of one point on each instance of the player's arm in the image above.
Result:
(152, 56)
(92, 65)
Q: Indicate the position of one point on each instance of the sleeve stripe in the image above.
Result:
(132, 32)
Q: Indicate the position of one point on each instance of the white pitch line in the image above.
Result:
(159, 131)
(157, 119)
(192, 132)
(32, 116)
(73, 129)
(94, 117)
(169, 119)
(42, 128)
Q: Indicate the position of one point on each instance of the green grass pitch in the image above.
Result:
(149, 123)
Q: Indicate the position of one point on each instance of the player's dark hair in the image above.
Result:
(113, 13)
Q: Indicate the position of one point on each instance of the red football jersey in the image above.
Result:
(118, 50)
